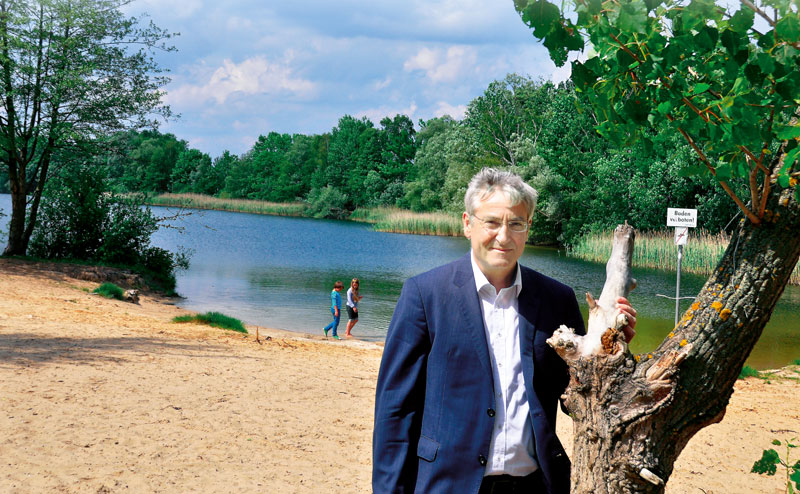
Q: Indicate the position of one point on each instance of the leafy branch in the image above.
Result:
(737, 108)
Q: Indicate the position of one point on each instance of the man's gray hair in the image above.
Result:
(489, 180)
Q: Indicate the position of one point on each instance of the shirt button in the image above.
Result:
(482, 460)
(490, 412)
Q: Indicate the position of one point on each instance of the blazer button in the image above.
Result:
(490, 412)
(482, 460)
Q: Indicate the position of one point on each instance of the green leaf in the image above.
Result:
(785, 54)
(665, 107)
(582, 73)
(706, 39)
(632, 17)
(723, 171)
(624, 58)
(767, 41)
(753, 73)
(701, 88)
(797, 194)
(776, 442)
(795, 477)
(740, 85)
(767, 463)
(766, 62)
(788, 132)
(742, 56)
(742, 20)
(542, 16)
(731, 40)
(788, 28)
(636, 109)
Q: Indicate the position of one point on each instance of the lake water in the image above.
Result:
(278, 272)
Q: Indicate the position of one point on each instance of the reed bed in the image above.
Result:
(198, 201)
(657, 250)
(396, 220)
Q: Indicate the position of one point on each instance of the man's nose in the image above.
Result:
(504, 232)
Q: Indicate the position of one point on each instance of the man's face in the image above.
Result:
(496, 252)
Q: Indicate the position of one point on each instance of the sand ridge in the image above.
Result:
(103, 396)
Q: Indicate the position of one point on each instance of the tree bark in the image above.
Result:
(633, 415)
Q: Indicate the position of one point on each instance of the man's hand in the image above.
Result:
(624, 307)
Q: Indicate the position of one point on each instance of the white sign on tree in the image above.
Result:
(682, 220)
(682, 217)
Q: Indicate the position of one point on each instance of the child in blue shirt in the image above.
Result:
(336, 304)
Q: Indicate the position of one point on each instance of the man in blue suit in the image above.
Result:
(468, 388)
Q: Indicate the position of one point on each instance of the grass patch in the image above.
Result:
(657, 250)
(214, 319)
(110, 290)
(198, 201)
(395, 220)
(748, 371)
(796, 361)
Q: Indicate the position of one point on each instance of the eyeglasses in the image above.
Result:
(493, 225)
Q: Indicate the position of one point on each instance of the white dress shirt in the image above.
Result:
(511, 450)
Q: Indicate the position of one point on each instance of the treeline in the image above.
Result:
(544, 132)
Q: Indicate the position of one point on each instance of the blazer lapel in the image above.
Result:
(528, 311)
(470, 304)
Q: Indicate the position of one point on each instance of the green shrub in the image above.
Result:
(110, 290)
(748, 371)
(214, 319)
(327, 202)
(80, 220)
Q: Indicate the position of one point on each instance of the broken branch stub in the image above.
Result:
(603, 335)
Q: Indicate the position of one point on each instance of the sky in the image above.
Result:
(244, 68)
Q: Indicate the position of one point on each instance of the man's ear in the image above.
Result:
(466, 224)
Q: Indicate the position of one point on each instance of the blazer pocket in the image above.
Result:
(427, 448)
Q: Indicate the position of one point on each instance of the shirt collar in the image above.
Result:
(481, 281)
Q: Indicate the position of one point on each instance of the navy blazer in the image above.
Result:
(435, 400)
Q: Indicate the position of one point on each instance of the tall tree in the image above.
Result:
(189, 166)
(398, 148)
(70, 73)
(513, 106)
(729, 87)
(354, 151)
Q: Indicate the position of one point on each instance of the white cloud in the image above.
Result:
(446, 108)
(255, 75)
(459, 14)
(377, 114)
(382, 84)
(561, 74)
(237, 24)
(442, 66)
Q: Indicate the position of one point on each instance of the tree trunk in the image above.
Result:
(633, 415)
(17, 243)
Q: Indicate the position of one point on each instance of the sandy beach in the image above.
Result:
(104, 396)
